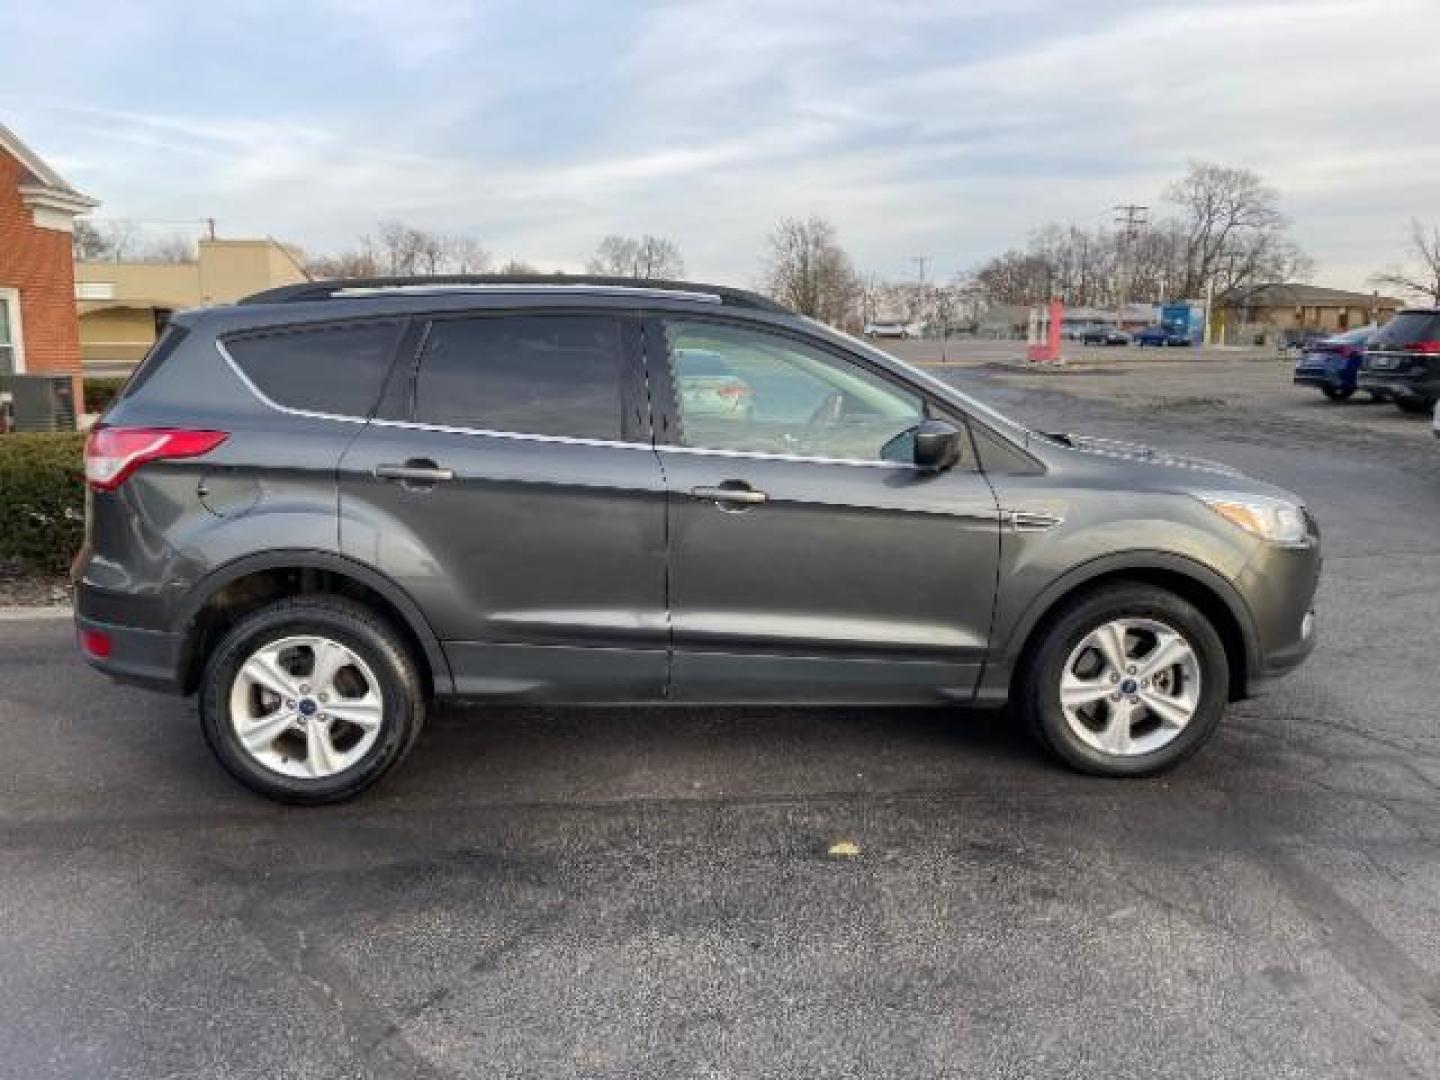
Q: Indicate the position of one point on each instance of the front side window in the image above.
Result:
(739, 389)
(559, 375)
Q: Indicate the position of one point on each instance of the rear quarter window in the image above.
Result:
(329, 369)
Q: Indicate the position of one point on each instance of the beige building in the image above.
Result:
(1270, 314)
(124, 305)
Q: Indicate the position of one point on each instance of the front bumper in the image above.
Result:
(1279, 586)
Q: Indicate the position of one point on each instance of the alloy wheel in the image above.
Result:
(1130, 687)
(306, 707)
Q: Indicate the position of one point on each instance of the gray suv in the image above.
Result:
(331, 504)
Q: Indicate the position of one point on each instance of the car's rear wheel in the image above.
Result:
(1338, 393)
(1127, 681)
(311, 700)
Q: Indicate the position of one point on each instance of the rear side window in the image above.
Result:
(166, 344)
(329, 369)
(1408, 328)
(527, 374)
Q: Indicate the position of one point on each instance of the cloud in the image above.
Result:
(945, 129)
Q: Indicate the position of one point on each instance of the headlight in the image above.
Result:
(1275, 520)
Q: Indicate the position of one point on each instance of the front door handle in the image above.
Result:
(415, 471)
(732, 491)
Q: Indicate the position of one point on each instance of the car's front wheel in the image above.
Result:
(311, 700)
(1127, 681)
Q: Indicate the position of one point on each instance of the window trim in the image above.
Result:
(10, 297)
(635, 389)
(665, 394)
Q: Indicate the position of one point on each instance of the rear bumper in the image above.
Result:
(148, 658)
(1399, 387)
(1321, 379)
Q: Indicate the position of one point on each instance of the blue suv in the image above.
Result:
(1333, 363)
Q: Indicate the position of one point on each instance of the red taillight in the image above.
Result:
(95, 643)
(735, 390)
(113, 453)
(1426, 346)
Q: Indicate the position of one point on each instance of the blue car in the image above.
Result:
(1160, 336)
(1333, 363)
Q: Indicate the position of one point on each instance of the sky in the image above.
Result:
(945, 130)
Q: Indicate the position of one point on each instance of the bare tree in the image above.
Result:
(169, 249)
(517, 267)
(1423, 279)
(111, 238)
(637, 257)
(1017, 277)
(402, 248)
(1234, 233)
(90, 244)
(466, 255)
(807, 269)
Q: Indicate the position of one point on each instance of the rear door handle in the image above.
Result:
(415, 472)
(729, 492)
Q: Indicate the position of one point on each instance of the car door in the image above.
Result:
(511, 488)
(809, 558)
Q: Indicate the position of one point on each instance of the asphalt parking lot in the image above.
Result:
(647, 893)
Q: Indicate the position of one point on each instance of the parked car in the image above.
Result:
(1333, 364)
(709, 386)
(1160, 336)
(323, 508)
(1104, 335)
(1297, 339)
(890, 330)
(1402, 361)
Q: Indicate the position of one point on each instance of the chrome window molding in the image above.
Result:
(761, 455)
(451, 429)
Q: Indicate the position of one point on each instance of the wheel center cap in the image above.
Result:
(307, 706)
(1129, 686)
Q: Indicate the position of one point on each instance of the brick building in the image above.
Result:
(38, 329)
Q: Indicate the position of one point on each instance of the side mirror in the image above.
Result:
(937, 445)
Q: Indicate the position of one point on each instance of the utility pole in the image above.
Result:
(1131, 218)
(210, 225)
(918, 306)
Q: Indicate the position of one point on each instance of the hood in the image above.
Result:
(1128, 451)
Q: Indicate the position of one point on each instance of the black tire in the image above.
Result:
(360, 630)
(1414, 406)
(1338, 393)
(1040, 678)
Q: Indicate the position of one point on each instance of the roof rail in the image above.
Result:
(345, 288)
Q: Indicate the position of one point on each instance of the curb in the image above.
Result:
(39, 611)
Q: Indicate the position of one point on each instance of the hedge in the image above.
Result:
(42, 499)
(100, 392)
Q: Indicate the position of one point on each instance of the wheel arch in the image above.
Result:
(1208, 591)
(240, 586)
